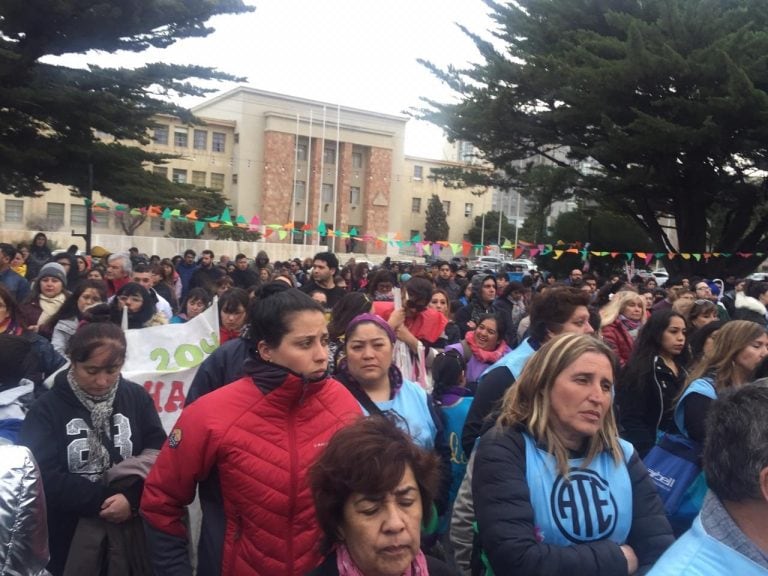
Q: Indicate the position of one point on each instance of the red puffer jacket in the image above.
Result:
(259, 436)
(619, 339)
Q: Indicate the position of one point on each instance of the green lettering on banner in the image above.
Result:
(188, 355)
(185, 355)
(209, 347)
(163, 356)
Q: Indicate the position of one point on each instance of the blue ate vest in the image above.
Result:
(514, 360)
(410, 403)
(703, 386)
(696, 553)
(454, 417)
(595, 503)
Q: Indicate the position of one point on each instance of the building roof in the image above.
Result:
(297, 99)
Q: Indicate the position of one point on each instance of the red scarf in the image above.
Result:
(485, 356)
(227, 335)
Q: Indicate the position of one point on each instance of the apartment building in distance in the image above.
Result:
(461, 205)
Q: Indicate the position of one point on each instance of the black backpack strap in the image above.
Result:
(364, 400)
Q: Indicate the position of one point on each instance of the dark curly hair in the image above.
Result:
(386, 451)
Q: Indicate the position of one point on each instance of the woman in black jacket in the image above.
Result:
(555, 489)
(652, 379)
(91, 421)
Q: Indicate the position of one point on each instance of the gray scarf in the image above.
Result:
(100, 408)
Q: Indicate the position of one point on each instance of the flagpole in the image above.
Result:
(295, 174)
(308, 184)
(336, 177)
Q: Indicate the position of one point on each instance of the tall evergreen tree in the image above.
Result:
(56, 121)
(436, 226)
(657, 108)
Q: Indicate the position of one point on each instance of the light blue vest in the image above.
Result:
(594, 504)
(696, 553)
(410, 403)
(453, 418)
(703, 386)
(514, 361)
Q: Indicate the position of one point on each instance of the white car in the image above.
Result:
(486, 262)
(526, 265)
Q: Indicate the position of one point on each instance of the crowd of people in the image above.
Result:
(387, 420)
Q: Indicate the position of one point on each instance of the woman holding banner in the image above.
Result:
(253, 441)
(94, 436)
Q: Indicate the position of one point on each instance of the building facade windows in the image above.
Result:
(234, 178)
(160, 171)
(329, 155)
(55, 214)
(78, 216)
(200, 140)
(418, 172)
(161, 135)
(300, 191)
(218, 142)
(468, 207)
(100, 219)
(416, 205)
(447, 207)
(217, 181)
(14, 210)
(357, 160)
(198, 178)
(181, 139)
(157, 224)
(179, 176)
(301, 152)
(327, 193)
(354, 195)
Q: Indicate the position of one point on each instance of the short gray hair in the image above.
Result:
(736, 448)
(126, 258)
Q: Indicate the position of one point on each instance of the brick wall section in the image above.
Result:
(315, 190)
(345, 172)
(277, 188)
(279, 155)
(376, 218)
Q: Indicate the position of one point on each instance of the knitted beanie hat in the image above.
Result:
(55, 270)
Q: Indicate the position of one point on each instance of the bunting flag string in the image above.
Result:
(439, 249)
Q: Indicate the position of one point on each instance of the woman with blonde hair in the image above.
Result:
(554, 487)
(739, 348)
(621, 320)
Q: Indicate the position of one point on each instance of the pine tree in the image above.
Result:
(656, 109)
(56, 123)
(488, 232)
(436, 226)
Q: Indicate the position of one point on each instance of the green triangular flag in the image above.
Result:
(321, 229)
(225, 217)
(241, 219)
(199, 226)
(166, 214)
(353, 232)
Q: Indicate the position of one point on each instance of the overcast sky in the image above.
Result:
(358, 53)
